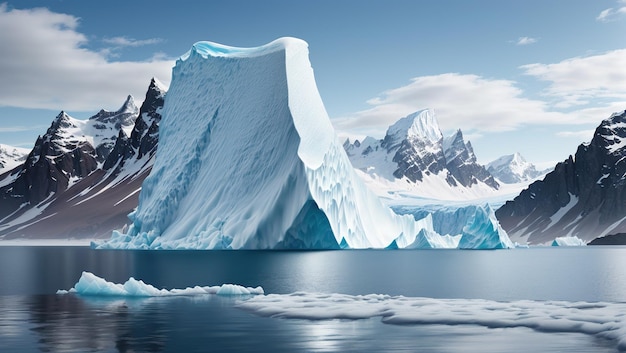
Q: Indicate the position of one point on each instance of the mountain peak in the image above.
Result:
(611, 134)
(513, 168)
(420, 125)
(156, 85)
(125, 116)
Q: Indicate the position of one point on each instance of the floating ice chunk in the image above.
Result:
(568, 241)
(602, 320)
(92, 285)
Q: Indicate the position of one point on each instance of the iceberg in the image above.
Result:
(248, 159)
(568, 241)
(92, 285)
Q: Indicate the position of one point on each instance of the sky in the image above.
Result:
(531, 76)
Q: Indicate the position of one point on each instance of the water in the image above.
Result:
(34, 319)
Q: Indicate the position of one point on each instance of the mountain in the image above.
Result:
(513, 169)
(584, 196)
(248, 159)
(11, 157)
(82, 177)
(414, 157)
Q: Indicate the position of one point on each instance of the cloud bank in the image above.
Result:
(46, 65)
(579, 90)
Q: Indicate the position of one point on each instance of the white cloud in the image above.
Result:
(470, 102)
(21, 128)
(130, 42)
(577, 81)
(526, 40)
(612, 13)
(44, 64)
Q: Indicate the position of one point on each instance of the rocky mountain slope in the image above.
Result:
(585, 195)
(82, 177)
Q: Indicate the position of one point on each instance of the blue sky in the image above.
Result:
(531, 76)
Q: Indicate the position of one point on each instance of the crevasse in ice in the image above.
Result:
(248, 159)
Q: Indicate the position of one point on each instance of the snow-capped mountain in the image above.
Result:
(584, 196)
(81, 178)
(248, 159)
(513, 169)
(414, 157)
(11, 157)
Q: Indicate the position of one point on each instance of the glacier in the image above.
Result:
(248, 159)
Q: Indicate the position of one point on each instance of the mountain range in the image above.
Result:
(82, 177)
(414, 159)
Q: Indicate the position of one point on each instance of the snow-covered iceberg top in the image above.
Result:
(92, 285)
(568, 241)
(248, 159)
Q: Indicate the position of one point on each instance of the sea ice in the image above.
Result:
(603, 320)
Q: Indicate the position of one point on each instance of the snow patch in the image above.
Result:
(556, 217)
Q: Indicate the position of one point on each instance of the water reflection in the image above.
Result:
(67, 323)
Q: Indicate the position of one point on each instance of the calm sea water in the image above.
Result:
(34, 319)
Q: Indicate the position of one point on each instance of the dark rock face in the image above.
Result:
(49, 166)
(584, 196)
(613, 239)
(144, 137)
(414, 161)
(67, 178)
(462, 164)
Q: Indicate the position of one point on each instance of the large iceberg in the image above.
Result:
(248, 159)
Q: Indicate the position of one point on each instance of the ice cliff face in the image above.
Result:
(248, 159)
(584, 196)
(414, 156)
(513, 168)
